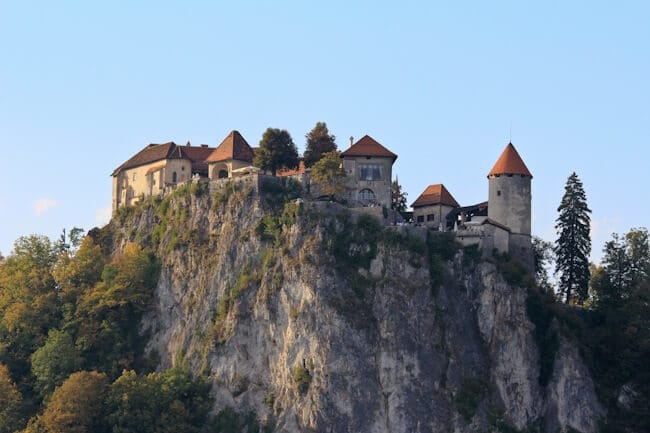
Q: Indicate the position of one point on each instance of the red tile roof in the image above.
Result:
(435, 194)
(234, 146)
(171, 150)
(368, 146)
(292, 171)
(509, 163)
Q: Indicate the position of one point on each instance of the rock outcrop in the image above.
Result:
(317, 319)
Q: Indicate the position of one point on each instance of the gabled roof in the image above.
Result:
(151, 153)
(234, 146)
(435, 194)
(510, 163)
(170, 150)
(368, 146)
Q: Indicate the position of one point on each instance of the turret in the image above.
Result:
(509, 201)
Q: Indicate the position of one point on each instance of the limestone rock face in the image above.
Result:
(298, 318)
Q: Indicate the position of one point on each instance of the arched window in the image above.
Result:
(366, 195)
(174, 176)
(223, 174)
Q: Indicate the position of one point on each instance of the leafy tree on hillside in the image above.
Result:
(329, 174)
(53, 363)
(619, 337)
(29, 304)
(543, 257)
(573, 245)
(77, 405)
(624, 269)
(167, 402)
(106, 317)
(276, 151)
(10, 403)
(319, 142)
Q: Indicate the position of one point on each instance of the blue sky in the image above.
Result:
(84, 85)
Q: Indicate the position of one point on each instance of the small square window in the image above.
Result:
(420, 218)
(430, 217)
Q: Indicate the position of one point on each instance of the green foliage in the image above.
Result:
(540, 311)
(573, 244)
(77, 405)
(442, 247)
(246, 279)
(543, 257)
(513, 271)
(329, 174)
(54, 361)
(222, 196)
(106, 317)
(276, 150)
(11, 402)
(355, 244)
(302, 378)
(398, 197)
(279, 191)
(230, 421)
(167, 402)
(319, 142)
(469, 396)
(471, 254)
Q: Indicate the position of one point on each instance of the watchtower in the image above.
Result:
(509, 201)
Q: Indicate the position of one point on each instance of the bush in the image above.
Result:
(469, 396)
(302, 378)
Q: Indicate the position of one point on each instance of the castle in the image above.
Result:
(501, 223)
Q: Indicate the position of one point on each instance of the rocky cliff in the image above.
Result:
(309, 317)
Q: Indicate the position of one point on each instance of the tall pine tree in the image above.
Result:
(319, 142)
(573, 245)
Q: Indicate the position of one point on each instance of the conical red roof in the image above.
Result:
(435, 194)
(510, 163)
(234, 146)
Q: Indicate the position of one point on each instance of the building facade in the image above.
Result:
(369, 167)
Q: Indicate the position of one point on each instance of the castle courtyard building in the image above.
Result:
(369, 166)
(155, 168)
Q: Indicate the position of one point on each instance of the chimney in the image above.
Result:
(204, 145)
(351, 140)
(188, 143)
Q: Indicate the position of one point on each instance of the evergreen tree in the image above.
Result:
(573, 245)
(319, 142)
(398, 197)
(276, 151)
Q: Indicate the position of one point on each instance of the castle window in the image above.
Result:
(183, 168)
(174, 177)
(420, 218)
(499, 192)
(431, 217)
(133, 176)
(370, 172)
(223, 174)
(367, 195)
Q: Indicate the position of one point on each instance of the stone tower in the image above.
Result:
(509, 201)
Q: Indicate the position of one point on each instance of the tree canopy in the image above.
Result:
(398, 197)
(276, 150)
(329, 174)
(573, 245)
(319, 142)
